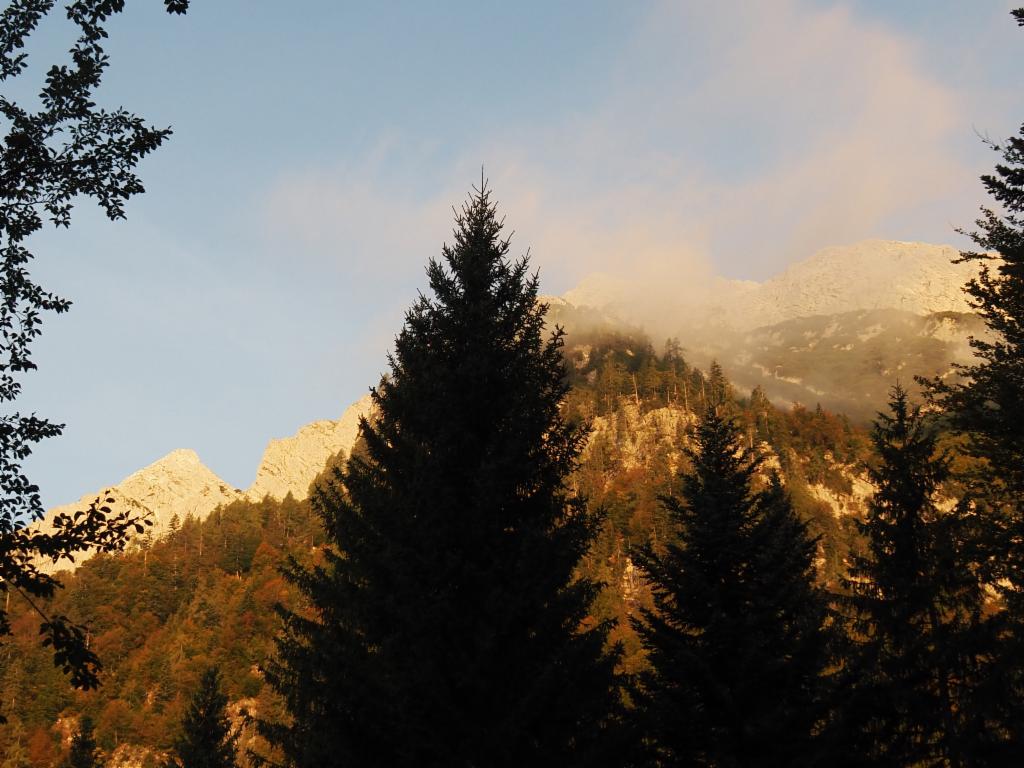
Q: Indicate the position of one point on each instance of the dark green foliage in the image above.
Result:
(609, 364)
(158, 617)
(986, 405)
(206, 740)
(919, 691)
(736, 639)
(84, 753)
(447, 625)
(66, 148)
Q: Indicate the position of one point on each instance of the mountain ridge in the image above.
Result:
(840, 300)
(838, 328)
(179, 485)
(921, 278)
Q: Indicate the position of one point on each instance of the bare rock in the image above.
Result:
(290, 464)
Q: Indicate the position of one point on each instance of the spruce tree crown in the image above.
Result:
(448, 616)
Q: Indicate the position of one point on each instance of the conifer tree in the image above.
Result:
(206, 740)
(736, 639)
(986, 404)
(84, 753)
(718, 389)
(448, 626)
(918, 677)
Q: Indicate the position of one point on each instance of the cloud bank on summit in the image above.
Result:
(286, 226)
(729, 141)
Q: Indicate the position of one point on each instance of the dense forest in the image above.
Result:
(554, 543)
(212, 593)
(166, 610)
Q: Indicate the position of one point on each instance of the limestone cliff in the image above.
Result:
(874, 274)
(290, 464)
(176, 486)
(919, 278)
(179, 484)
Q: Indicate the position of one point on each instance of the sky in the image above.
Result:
(319, 147)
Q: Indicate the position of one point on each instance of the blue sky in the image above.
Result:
(259, 282)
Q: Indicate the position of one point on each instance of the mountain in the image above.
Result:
(847, 361)
(839, 328)
(205, 593)
(289, 465)
(179, 485)
(918, 278)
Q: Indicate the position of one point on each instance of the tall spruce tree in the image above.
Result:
(206, 740)
(918, 679)
(84, 752)
(737, 638)
(986, 404)
(448, 626)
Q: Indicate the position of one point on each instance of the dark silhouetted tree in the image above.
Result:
(206, 740)
(448, 625)
(83, 753)
(986, 404)
(918, 681)
(737, 638)
(54, 152)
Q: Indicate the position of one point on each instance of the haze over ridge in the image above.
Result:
(269, 276)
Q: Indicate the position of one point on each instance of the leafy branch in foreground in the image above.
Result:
(62, 148)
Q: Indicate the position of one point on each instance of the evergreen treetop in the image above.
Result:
(986, 404)
(919, 677)
(449, 627)
(206, 740)
(736, 639)
(84, 752)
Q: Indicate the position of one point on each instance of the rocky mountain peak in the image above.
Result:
(179, 484)
(919, 278)
(290, 464)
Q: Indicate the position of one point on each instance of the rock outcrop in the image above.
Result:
(639, 438)
(874, 274)
(290, 464)
(180, 485)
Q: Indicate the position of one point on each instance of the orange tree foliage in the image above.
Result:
(163, 612)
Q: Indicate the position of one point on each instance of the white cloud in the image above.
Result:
(741, 136)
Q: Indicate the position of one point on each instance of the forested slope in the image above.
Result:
(205, 594)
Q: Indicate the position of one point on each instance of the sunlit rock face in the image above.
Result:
(839, 328)
(179, 485)
(290, 464)
(874, 274)
(918, 278)
(167, 491)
